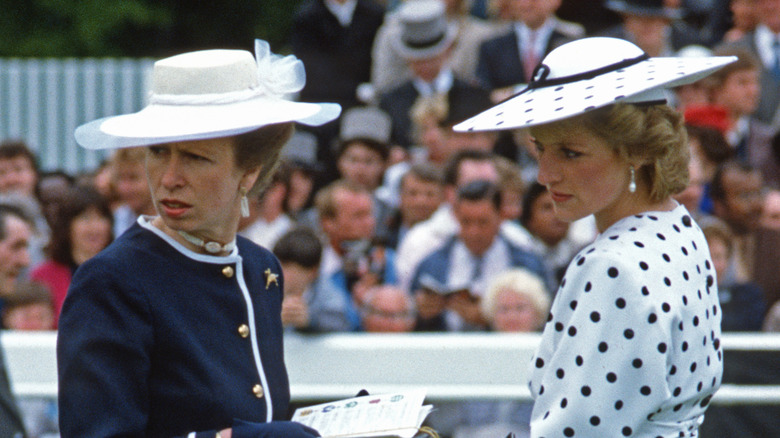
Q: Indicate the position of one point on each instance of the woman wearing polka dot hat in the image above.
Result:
(631, 346)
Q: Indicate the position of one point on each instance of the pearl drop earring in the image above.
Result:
(244, 203)
(632, 182)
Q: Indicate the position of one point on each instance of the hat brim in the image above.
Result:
(412, 53)
(644, 11)
(159, 123)
(537, 106)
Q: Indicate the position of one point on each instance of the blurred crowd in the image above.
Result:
(389, 221)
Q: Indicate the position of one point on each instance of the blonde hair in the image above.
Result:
(509, 175)
(521, 282)
(653, 134)
(434, 106)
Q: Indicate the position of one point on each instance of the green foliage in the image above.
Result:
(63, 28)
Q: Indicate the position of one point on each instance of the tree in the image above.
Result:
(156, 28)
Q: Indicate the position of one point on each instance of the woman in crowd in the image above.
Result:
(81, 229)
(175, 328)
(631, 346)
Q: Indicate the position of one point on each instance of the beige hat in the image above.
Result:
(424, 32)
(211, 94)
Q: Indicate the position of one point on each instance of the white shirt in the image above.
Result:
(265, 233)
(765, 39)
(440, 85)
(426, 237)
(342, 11)
(541, 36)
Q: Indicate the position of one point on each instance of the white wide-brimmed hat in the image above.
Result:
(591, 73)
(212, 94)
(424, 31)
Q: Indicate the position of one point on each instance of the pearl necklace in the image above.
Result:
(210, 247)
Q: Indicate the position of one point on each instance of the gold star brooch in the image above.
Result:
(270, 277)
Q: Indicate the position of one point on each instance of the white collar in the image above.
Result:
(342, 11)
(441, 84)
(146, 222)
(542, 35)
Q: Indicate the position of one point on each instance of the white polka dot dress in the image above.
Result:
(632, 344)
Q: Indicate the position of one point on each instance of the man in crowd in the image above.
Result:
(510, 58)
(449, 282)
(351, 261)
(737, 200)
(15, 233)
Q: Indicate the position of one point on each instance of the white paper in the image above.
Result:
(383, 415)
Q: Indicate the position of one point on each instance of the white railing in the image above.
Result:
(447, 366)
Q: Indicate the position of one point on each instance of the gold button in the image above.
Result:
(258, 390)
(227, 271)
(243, 330)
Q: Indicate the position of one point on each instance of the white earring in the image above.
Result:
(244, 203)
(632, 182)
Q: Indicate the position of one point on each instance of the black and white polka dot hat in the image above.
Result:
(590, 73)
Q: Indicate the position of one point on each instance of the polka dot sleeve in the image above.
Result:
(601, 366)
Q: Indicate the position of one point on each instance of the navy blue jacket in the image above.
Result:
(151, 340)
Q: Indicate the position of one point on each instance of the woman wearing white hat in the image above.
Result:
(631, 347)
(175, 329)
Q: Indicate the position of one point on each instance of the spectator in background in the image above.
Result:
(657, 29)
(18, 180)
(742, 303)
(299, 252)
(709, 147)
(762, 42)
(132, 190)
(696, 93)
(15, 230)
(512, 187)
(50, 190)
(389, 68)
(427, 236)
(267, 220)
(744, 18)
(449, 283)
(770, 215)
(83, 229)
(351, 261)
(334, 38)
(737, 88)
(426, 42)
(516, 301)
(104, 182)
(388, 309)
(28, 307)
(737, 200)
(509, 59)
(300, 155)
(550, 235)
(421, 193)
(18, 168)
(364, 146)
(691, 197)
